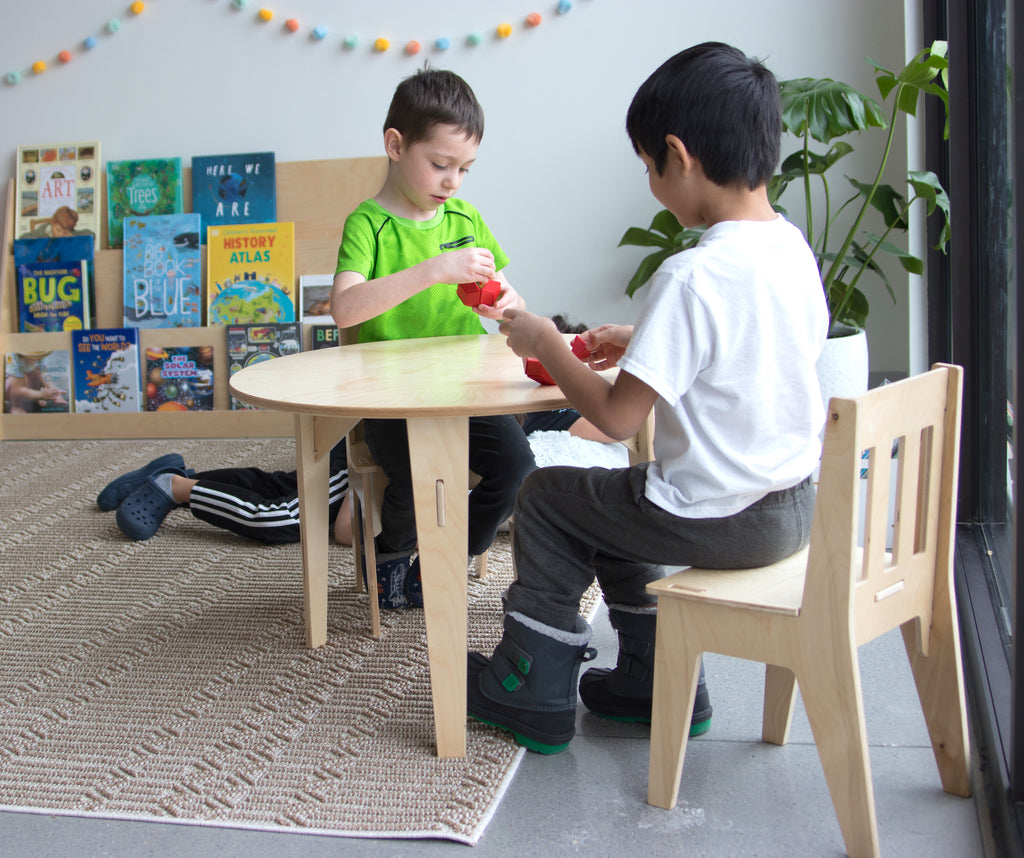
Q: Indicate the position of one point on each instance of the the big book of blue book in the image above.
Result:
(162, 271)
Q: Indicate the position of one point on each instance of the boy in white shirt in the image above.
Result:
(724, 351)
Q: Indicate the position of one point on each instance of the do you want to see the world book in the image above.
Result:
(105, 364)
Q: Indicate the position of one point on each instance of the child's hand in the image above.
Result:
(525, 330)
(607, 344)
(508, 300)
(465, 265)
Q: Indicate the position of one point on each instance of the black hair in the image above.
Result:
(724, 107)
(434, 97)
(566, 326)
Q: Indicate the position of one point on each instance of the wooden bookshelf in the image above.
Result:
(315, 195)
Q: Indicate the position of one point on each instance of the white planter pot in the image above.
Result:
(843, 366)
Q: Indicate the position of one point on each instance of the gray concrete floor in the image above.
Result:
(739, 797)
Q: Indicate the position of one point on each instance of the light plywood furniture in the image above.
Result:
(315, 195)
(806, 616)
(366, 490)
(436, 384)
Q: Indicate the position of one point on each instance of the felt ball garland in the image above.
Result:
(317, 33)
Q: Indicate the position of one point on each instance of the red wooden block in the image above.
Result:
(474, 294)
(579, 348)
(535, 370)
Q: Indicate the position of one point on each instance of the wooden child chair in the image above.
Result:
(805, 616)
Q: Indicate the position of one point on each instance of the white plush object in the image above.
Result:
(561, 448)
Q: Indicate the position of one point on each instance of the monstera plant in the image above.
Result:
(848, 237)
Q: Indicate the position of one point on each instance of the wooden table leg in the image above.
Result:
(439, 459)
(314, 438)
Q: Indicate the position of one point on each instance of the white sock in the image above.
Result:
(163, 482)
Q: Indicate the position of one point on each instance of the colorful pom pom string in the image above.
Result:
(318, 33)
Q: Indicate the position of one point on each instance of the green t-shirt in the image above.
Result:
(376, 243)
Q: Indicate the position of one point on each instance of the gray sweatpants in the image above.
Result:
(574, 523)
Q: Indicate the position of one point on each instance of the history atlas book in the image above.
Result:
(148, 186)
(57, 190)
(37, 382)
(249, 344)
(235, 188)
(179, 378)
(106, 370)
(162, 272)
(250, 274)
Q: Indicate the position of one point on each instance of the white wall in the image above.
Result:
(556, 177)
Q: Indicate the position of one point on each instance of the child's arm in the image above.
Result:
(354, 299)
(619, 409)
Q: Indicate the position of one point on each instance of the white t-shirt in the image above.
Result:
(728, 336)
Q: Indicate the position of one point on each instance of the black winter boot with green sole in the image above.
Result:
(528, 686)
(624, 693)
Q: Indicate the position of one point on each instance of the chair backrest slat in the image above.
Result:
(910, 430)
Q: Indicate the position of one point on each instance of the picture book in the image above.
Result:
(249, 344)
(162, 272)
(315, 297)
(67, 249)
(54, 283)
(324, 336)
(235, 188)
(250, 274)
(53, 296)
(37, 382)
(179, 378)
(106, 370)
(151, 186)
(57, 190)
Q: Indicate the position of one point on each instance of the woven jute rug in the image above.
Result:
(169, 679)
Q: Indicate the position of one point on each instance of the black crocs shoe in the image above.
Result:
(115, 492)
(141, 513)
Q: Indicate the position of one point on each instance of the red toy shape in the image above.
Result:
(474, 294)
(579, 348)
(535, 370)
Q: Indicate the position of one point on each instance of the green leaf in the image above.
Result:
(824, 109)
(927, 187)
(648, 265)
(638, 237)
(855, 310)
(886, 201)
(796, 164)
(687, 238)
(666, 223)
(909, 262)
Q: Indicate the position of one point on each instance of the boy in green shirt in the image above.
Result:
(402, 255)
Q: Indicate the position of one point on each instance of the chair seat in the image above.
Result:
(778, 588)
